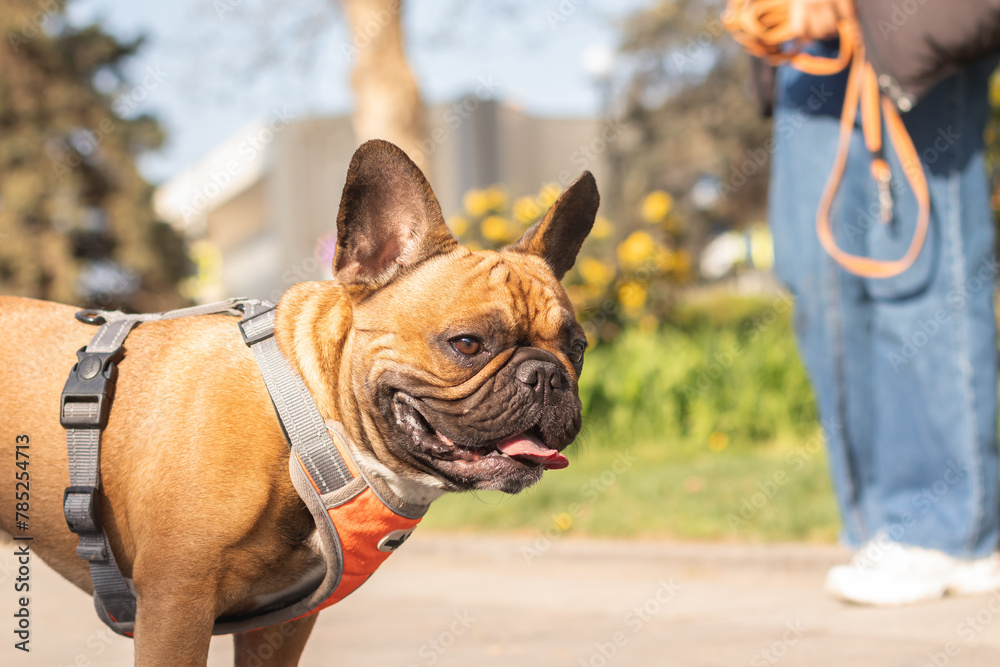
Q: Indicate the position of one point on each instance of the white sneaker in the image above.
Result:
(887, 573)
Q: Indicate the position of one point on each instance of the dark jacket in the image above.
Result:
(914, 44)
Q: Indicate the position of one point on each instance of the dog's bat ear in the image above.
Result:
(389, 217)
(557, 237)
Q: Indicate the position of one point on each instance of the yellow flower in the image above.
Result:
(526, 210)
(206, 256)
(648, 322)
(188, 288)
(496, 196)
(632, 296)
(718, 441)
(636, 249)
(672, 224)
(664, 258)
(593, 291)
(495, 228)
(562, 521)
(207, 259)
(656, 206)
(596, 272)
(602, 228)
(682, 264)
(548, 194)
(477, 203)
(458, 224)
(761, 247)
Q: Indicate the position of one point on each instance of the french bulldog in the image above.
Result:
(450, 370)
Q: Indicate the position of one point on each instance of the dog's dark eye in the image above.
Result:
(575, 354)
(467, 345)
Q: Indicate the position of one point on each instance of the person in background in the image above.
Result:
(904, 368)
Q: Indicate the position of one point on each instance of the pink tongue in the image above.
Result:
(527, 448)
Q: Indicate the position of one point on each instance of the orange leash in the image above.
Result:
(762, 27)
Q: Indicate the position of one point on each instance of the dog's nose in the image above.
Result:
(540, 375)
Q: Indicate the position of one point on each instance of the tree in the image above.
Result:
(691, 113)
(76, 221)
(387, 103)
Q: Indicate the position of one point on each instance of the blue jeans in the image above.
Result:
(904, 368)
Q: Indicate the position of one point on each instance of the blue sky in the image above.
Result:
(202, 85)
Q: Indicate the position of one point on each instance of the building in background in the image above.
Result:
(260, 209)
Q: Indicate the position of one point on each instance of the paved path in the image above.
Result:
(450, 601)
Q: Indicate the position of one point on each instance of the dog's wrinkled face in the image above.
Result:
(475, 375)
(464, 364)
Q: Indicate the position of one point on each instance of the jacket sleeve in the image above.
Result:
(914, 44)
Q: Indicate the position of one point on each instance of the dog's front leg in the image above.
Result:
(274, 646)
(173, 623)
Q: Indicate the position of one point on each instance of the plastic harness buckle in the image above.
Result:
(80, 509)
(86, 397)
(257, 328)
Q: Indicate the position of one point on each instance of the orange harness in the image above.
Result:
(367, 529)
(359, 520)
(762, 27)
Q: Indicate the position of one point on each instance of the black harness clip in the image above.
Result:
(86, 397)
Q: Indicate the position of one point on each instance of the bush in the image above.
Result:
(722, 372)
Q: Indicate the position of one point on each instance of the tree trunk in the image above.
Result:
(387, 100)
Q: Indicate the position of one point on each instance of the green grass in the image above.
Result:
(704, 429)
(726, 495)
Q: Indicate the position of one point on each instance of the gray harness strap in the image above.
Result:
(85, 407)
(86, 402)
(296, 408)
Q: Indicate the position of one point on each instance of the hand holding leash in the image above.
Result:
(818, 19)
